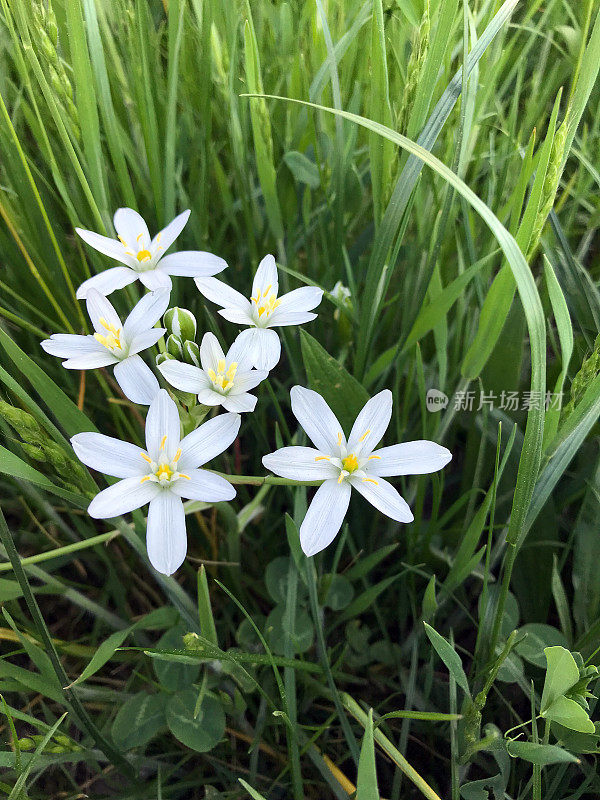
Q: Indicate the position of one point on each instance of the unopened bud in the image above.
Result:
(181, 323)
(162, 357)
(174, 346)
(191, 353)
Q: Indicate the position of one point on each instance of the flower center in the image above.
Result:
(112, 339)
(163, 471)
(350, 463)
(265, 303)
(143, 256)
(223, 378)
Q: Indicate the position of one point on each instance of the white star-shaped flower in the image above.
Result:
(162, 474)
(145, 258)
(222, 380)
(116, 343)
(264, 310)
(343, 464)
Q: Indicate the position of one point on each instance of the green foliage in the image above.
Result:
(462, 258)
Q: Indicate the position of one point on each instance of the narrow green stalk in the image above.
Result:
(262, 480)
(71, 700)
(322, 650)
(63, 551)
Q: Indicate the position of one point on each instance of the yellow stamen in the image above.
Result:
(122, 240)
(138, 237)
(341, 478)
(162, 442)
(365, 434)
(212, 375)
(146, 457)
(340, 438)
(321, 458)
(164, 471)
(145, 478)
(267, 290)
(177, 455)
(377, 457)
(183, 475)
(370, 480)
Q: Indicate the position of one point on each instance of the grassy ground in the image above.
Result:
(475, 277)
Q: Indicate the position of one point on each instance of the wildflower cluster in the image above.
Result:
(169, 470)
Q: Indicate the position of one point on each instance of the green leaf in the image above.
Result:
(15, 467)
(449, 656)
(366, 782)
(207, 621)
(199, 731)
(252, 792)
(539, 636)
(138, 720)
(540, 754)
(367, 598)
(342, 392)
(570, 714)
(72, 419)
(303, 169)
(561, 674)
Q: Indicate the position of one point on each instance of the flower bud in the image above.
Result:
(191, 353)
(174, 346)
(162, 357)
(181, 323)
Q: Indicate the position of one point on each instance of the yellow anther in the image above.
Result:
(183, 475)
(267, 290)
(261, 311)
(222, 365)
(212, 375)
(232, 370)
(341, 478)
(377, 457)
(144, 255)
(146, 457)
(122, 240)
(112, 339)
(138, 237)
(370, 480)
(365, 434)
(177, 455)
(162, 442)
(340, 439)
(321, 458)
(145, 478)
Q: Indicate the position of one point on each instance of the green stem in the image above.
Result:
(322, 650)
(511, 556)
(63, 551)
(262, 480)
(71, 700)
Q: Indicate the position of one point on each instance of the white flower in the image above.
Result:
(264, 310)
(223, 380)
(145, 258)
(162, 475)
(116, 343)
(344, 464)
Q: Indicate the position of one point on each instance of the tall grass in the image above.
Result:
(438, 158)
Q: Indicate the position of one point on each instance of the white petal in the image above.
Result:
(304, 299)
(107, 281)
(185, 377)
(324, 516)
(210, 397)
(211, 351)
(162, 420)
(102, 358)
(108, 455)
(137, 380)
(245, 381)
(203, 485)
(146, 313)
(167, 236)
(410, 458)
(108, 247)
(238, 316)
(317, 419)
(265, 347)
(241, 352)
(209, 440)
(145, 339)
(193, 264)
(266, 280)
(100, 308)
(239, 403)
(166, 539)
(278, 318)
(132, 228)
(300, 464)
(121, 497)
(384, 497)
(70, 345)
(222, 294)
(371, 424)
(156, 279)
